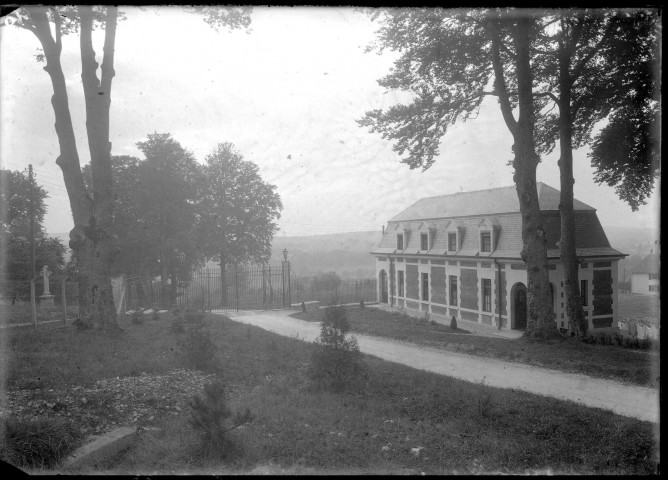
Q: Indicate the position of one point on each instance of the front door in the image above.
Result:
(520, 308)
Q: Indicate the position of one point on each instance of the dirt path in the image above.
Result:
(631, 401)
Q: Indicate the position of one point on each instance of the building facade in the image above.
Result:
(645, 276)
(459, 255)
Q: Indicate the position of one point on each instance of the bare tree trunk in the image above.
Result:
(540, 319)
(577, 323)
(88, 238)
(223, 279)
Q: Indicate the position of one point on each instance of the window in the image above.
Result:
(400, 282)
(424, 241)
(400, 242)
(486, 242)
(486, 295)
(653, 276)
(452, 242)
(453, 290)
(425, 286)
(584, 293)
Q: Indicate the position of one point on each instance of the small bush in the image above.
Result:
(137, 317)
(199, 350)
(361, 303)
(155, 315)
(453, 323)
(337, 360)
(38, 443)
(82, 325)
(212, 418)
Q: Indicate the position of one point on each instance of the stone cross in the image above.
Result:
(46, 273)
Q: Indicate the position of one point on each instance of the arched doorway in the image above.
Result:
(382, 283)
(519, 299)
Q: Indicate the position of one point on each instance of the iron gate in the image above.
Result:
(239, 287)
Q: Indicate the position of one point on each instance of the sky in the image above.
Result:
(287, 94)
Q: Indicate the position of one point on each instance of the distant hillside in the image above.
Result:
(346, 254)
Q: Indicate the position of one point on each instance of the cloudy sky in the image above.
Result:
(287, 94)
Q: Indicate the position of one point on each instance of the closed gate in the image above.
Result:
(238, 287)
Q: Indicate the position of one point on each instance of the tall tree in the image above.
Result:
(239, 208)
(592, 64)
(90, 238)
(15, 239)
(168, 196)
(448, 60)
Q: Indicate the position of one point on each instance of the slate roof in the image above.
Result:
(649, 264)
(481, 202)
(591, 240)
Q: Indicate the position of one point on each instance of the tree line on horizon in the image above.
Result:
(171, 214)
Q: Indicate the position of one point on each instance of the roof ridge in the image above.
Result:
(471, 191)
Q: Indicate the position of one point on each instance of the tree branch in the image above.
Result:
(107, 70)
(577, 70)
(499, 82)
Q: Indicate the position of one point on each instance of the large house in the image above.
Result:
(645, 276)
(459, 255)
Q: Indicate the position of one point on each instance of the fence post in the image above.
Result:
(32, 303)
(63, 297)
(236, 286)
(208, 291)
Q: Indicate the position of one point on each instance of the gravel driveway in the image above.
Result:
(631, 401)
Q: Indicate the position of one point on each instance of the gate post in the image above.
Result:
(63, 297)
(236, 285)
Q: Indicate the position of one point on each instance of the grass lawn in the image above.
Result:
(398, 420)
(639, 306)
(634, 366)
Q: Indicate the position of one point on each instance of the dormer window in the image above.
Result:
(486, 242)
(400, 242)
(489, 229)
(452, 242)
(424, 241)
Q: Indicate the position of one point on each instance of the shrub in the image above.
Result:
(137, 317)
(337, 360)
(453, 323)
(199, 350)
(361, 303)
(40, 443)
(211, 417)
(427, 317)
(155, 315)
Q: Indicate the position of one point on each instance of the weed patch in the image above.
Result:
(40, 443)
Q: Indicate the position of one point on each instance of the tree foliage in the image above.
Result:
(15, 240)
(239, 208)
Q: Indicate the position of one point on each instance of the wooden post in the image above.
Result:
(63, 296)
(32, 303)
